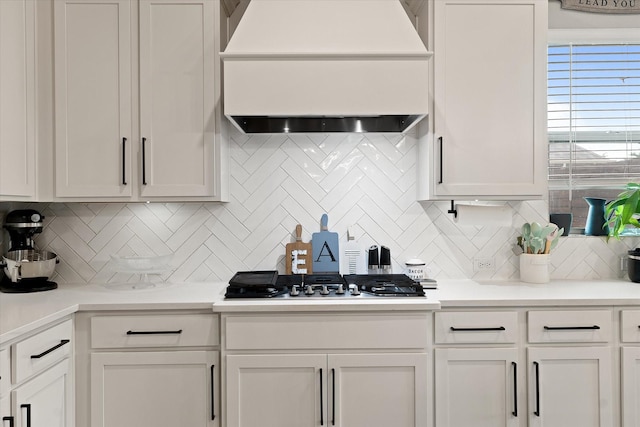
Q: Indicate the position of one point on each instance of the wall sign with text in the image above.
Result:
(603, 6)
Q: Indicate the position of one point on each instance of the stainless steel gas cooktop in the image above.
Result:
(268, 284)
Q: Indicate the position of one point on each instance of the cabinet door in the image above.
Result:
(46, 400)
(17, 99)
(5, 411)
(377, 390)
(631, 386)
(570, 386)
(177, 97)
(490, 98)
(151, 389)
(276, 390)
(477, 387)
(92, 98)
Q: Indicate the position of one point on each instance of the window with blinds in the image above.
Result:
(593, 123)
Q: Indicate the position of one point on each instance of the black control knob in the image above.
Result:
(294, 291)
(308, 290)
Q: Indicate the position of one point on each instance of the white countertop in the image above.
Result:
(20, 313)
(466, 293)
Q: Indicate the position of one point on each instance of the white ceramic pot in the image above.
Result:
(534, 268)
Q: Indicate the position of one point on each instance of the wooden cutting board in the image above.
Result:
(325, 249)
(298, 257)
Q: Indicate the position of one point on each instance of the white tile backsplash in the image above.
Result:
(366, 182)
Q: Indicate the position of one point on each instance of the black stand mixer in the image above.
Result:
(25, 268)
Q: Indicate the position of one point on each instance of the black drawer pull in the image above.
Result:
(144, 161)
(213, 391)
(55, 347)
(10, 419)
(441, 180)
(178, 332)
(498, 328)
(515, 389)
(570, 328)
(27, 406)
(124, 161)
(321, 401)
(536, 365)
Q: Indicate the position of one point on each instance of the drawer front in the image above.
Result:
(173, 330)
(5, 370)
(630, 325)
(570, 326)
(467, 327)
(326, 331)
(42, 350)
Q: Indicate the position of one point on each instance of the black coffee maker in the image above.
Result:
(33, 266)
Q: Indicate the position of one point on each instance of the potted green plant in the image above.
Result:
(621, 213)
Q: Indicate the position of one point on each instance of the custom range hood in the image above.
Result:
(325, 66)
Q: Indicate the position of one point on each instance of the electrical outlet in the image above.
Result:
(484, 264)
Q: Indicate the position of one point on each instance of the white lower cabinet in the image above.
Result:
(630, 372)
(40, 392)
(145, 389)
(341, 369)
(42, 401)
(5, 384)
(630, 386)
(350, 390)
(570, 386)
(477, 380)
(141, 369)
(477, 387)
(570, 368)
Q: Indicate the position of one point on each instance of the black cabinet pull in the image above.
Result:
(28, 407)
(144, 161)
(321, 401)
(441, 161)
(497, 328)
(213, 391)
(570, 328)
(537, 367)
(124, 161)
(55, 347)
(10, 419)
(515, 389)
(333, 397)
(179, 331)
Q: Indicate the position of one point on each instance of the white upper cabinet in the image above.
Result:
(175, 153)
(17, 100)
(489, 117)
(177, 97)
(93, 99)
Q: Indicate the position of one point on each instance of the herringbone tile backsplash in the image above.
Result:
(366, 183)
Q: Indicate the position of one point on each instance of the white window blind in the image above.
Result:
(593, 116)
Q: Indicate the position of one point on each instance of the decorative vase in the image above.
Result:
(534, 268)
(596, 222)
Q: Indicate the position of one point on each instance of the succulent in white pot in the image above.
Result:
(536, 242)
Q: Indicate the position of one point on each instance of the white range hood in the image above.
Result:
(325, 66)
